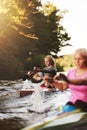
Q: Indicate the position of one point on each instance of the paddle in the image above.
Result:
(36, 78)
(33, 75)
(63, 77)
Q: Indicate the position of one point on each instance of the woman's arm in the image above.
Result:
(78, 81)
(73, 81)
(61, 85)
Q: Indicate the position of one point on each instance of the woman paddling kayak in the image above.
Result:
(75, 80)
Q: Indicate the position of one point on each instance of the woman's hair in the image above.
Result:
(51, 59)
(83, 52)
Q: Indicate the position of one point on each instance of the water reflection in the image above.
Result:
(15, 110)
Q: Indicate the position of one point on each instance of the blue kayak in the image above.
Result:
(67, 117)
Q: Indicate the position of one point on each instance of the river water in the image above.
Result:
(18, 112)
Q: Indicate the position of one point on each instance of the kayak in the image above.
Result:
(29, 88)
(28, 91)
(68, 121)
(61, 120)
(24, 92)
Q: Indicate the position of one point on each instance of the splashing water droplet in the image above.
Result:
(37, 100)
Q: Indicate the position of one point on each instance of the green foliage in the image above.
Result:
(59, 68)
(39, 60)
(10, 66)
(66, 62)
(26, 27)
(56, 36)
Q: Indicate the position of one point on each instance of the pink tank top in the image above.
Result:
(78, 92)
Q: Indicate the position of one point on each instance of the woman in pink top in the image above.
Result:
(76, 80)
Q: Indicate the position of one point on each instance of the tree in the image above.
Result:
(56, 36)
(27, 27)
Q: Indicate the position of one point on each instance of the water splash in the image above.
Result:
(37, 100)
(27, 84)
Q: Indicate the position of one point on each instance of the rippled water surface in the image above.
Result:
(18, 112)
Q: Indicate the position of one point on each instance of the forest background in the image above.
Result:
(28, 32)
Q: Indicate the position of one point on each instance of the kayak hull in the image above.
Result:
(29, 91)
(62, 121)
(25, 92)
